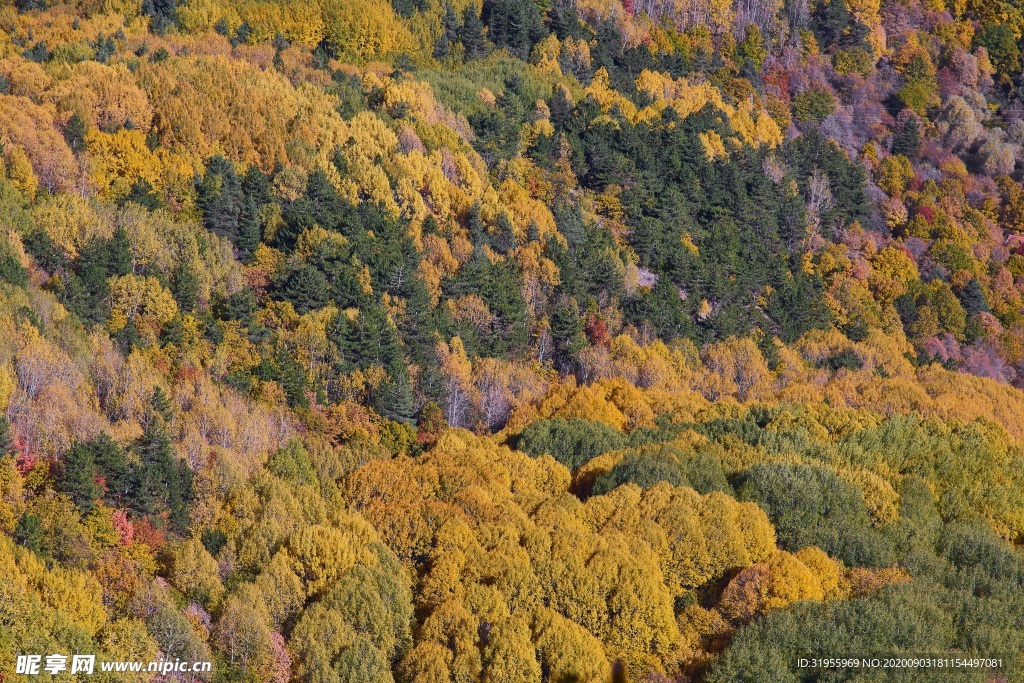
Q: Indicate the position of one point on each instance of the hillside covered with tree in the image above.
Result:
(523, 341)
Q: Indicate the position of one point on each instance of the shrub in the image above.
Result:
(570, 442)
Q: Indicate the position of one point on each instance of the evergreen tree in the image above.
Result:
(37, 53)
(475, 226)
(257, 185)
(111, 464)
(370, 339)
(405, 8)
(104, 48)
(242, 34)
(560, 107)
(831, 22)
(567, 333)
(219, 196)
(240, 306)
(163, 14)
(29, 532)
(907, 140)
(504, 239)
(972, 297)
(319, 205)
(78, 478)
(471, 33)
(564, 21)
(6, 439)
(161, 404)
(664, 310)
(185, 286)
(514, 24)
(160, 481)
(147, 493)
(419, 326)
(119, 259)
(44, 251)
(498, 284)
(394, 399)
(86, 292)
(306, 288)
(144, 194)
(74, 133)
(249, 230)
(11, 269)
(325, 205)
(449, 32)
(292, 379)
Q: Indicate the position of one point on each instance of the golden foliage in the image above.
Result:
(32, 129)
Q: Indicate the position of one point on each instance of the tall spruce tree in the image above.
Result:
(77, 478)
(907, 140)
(219, 196)
(394, 399)
(471, 33)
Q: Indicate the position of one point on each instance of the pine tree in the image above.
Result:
(567, 333)
(160, 481)
(560, 107)
(74, 133)
(665, 310)
(6, 439)
(449, 33)
(306, 288)
(504, 235)
(972, 297)
(475, 226)
(249, 230)
(418, 327)
(163, 14)
(907, 140)
(105, 48)
(394, 399)
(513, 24)
(404, 8)
(185, 286)
(119, 259)
(471, 33)
(111, 464)
(371, 339)
(242, 34)
(144, 194)
(181, 491)
(325, 205)
(292, 379)
(831, 22)
(11, 269)
(320, 205)
(45, 251)
(257, 185)
(220, 198)
(564, 21)
(86, 292)
(161, 404)
(29, 532)
(147, 494)
(78, 478)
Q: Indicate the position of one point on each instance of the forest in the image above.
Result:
(513, 341)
